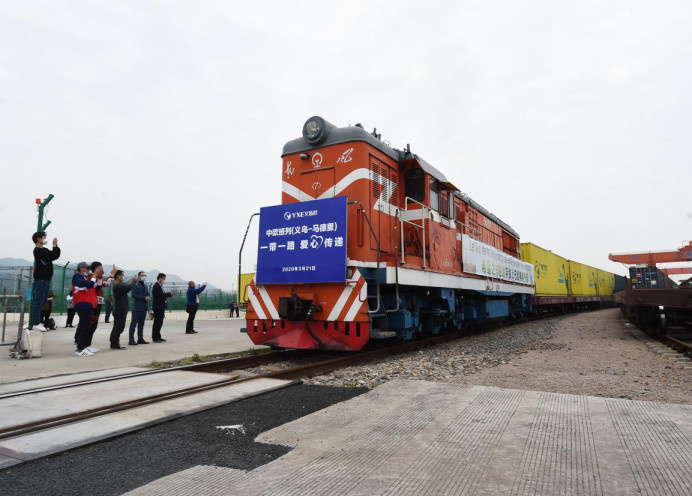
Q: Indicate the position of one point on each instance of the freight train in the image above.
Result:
(372, 242)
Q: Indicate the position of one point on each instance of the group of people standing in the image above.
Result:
(86, 300)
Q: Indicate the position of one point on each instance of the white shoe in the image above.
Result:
(92, 349)
(40, 327)
(83, 353)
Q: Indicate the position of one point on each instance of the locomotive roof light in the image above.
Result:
(315, 129)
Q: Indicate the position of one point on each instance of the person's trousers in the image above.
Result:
(70, 317)
(137, 321)
(84, 327)
(191, 311)
(119, 318)
(94, 322)
(39, 295)
(158, 323)
(108, 316)
(45, 315)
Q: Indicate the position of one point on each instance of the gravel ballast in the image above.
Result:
(125, 463)
(592, 353)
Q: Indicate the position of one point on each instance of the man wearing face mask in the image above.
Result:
(97, 277)
(84, 303)
(43, 273)
(120, 306)
(140, 297)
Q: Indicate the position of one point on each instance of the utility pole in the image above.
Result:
(41, 206)
(40, 226)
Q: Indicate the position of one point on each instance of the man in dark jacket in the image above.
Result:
(140, 297)
(43, 273)
(192, 305)
(121, 305)
(159, 307)
(109, 308)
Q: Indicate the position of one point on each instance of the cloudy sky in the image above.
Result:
(159, 126)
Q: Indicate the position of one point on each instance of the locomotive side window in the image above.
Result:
(414, 184)
(447, 203)
(434, 195)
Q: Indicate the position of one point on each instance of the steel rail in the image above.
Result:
(292, 373)
(211, 366)
(38, 425)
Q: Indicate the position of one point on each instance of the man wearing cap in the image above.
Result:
(97, 277)
(140, 297)
(84, 298)
(43, 273)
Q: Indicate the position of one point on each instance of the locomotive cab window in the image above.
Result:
(414, 180)
(434, 194)
(447, 203)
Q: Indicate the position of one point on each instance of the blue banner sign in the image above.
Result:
(303, 242)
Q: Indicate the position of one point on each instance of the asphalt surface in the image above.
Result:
(125, 463)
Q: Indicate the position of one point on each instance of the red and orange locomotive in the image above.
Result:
(412, 254)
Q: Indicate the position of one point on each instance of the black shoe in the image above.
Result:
(158, 340)
(132, 343)
(190, 332)
(118, 347)
(141, 341)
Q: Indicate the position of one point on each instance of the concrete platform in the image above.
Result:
(22, 409)
(415, 437)
(215, 336)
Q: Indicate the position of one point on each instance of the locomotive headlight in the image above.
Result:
(314, 130)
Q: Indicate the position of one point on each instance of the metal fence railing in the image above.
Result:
(61, 285)
(16, 303)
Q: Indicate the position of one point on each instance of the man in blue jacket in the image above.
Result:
(192, 305)
(140, 299)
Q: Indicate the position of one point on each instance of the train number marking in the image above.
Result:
(289, 170)
(317, 160)
(345, 157)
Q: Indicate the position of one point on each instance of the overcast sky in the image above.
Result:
(159, 126)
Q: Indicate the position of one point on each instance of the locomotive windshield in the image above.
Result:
(415, 184)
(434, 194)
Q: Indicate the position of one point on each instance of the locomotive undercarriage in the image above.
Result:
(429, 311)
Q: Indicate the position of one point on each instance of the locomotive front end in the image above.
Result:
(308, 293)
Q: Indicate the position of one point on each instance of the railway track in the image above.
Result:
(295, 372)
(290, 373)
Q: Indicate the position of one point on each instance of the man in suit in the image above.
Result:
(121, 306)
(159, 307)
(140, 299)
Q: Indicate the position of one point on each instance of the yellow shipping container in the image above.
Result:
(549, 269)
(583, 279)
(606, 283)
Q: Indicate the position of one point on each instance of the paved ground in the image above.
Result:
(431, 438)
(590, 353)
(19, 410)
(127, 462)
(215, 337)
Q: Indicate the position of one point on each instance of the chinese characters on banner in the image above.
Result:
(303, 242)
(487, 261)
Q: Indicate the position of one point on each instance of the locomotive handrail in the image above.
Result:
(377, 273)
(396, 265)
(421, 226)
(469, 228)
(240, 256)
